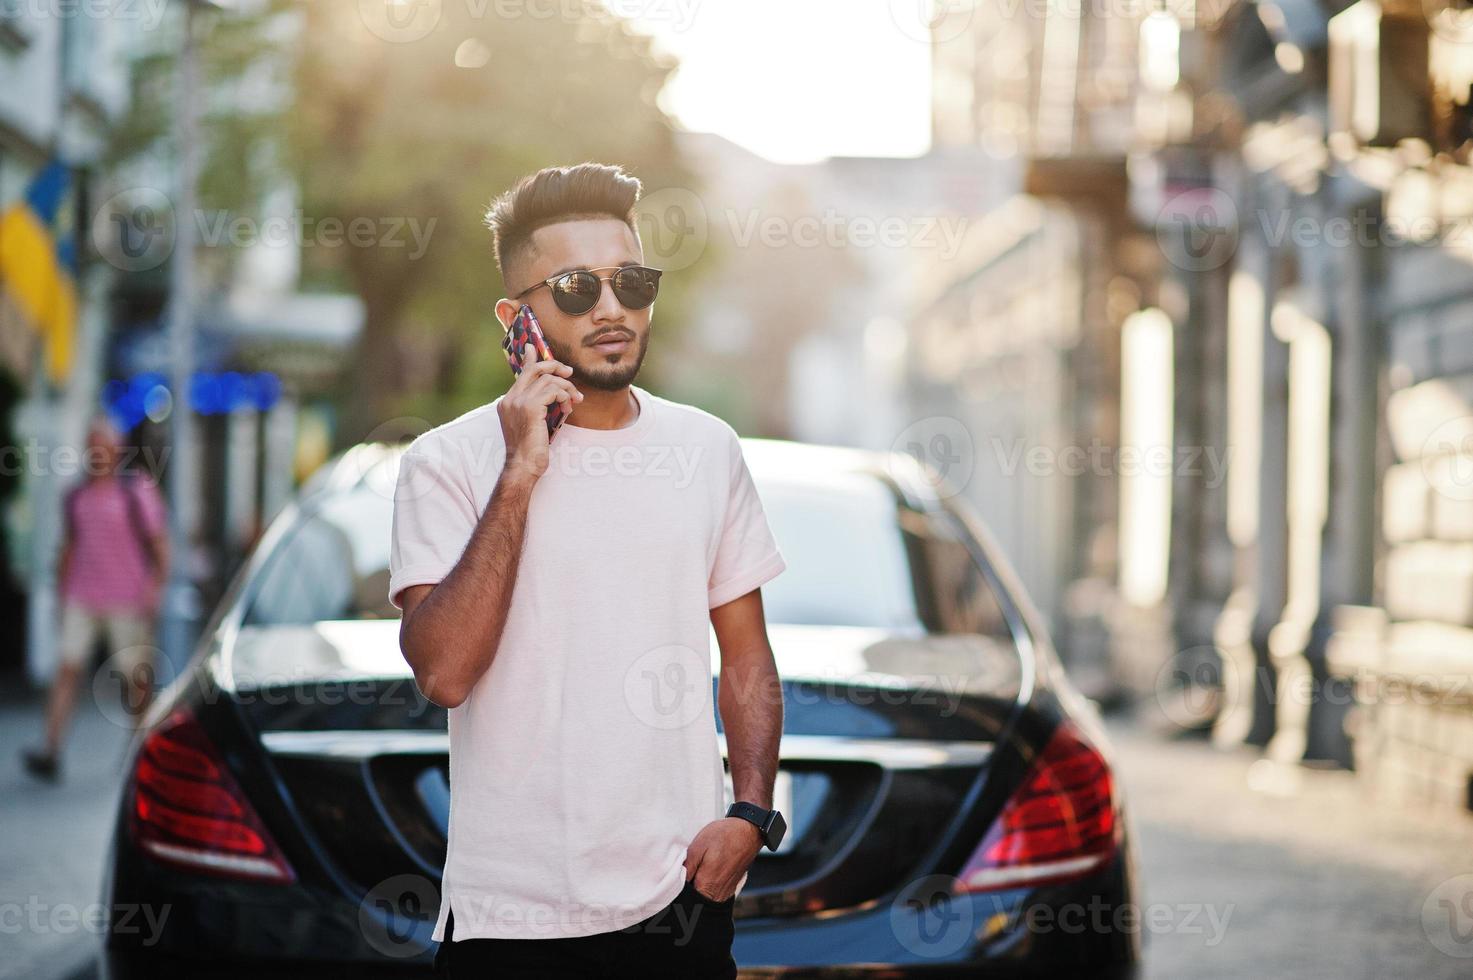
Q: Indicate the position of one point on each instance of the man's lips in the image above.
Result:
(612, 343)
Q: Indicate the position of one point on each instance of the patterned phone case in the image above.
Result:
(523, 329)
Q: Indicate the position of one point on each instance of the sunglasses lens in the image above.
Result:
(636, 287)
(576, 293)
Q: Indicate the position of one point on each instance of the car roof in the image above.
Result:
(770, 460)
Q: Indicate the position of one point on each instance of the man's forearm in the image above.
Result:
(751, 705)
(452, 637)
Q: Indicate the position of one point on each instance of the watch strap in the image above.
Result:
(753, 813)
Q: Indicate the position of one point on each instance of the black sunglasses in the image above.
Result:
(575, 293)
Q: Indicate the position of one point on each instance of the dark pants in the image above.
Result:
(688, 939)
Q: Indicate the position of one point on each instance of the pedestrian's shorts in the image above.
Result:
(129, 636)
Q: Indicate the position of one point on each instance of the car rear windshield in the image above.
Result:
(856, 556)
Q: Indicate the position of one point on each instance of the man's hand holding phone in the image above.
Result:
(523, 411)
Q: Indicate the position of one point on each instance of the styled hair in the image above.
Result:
(555, 194)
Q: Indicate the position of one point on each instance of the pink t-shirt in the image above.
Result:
(109, 569)
(585, 759)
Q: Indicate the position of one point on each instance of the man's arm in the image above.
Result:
(450, 631)
(751, 703)
(750, 697)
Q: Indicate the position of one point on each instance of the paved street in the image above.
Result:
(1322, 884)
(1242, 881)
(56, 838)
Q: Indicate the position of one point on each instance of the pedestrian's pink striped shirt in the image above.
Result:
(109, 568)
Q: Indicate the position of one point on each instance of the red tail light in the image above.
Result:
(189, 811)
(1060, 823)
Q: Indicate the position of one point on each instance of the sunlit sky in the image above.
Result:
(797, 80)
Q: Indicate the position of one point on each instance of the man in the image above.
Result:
(114, 559)
(558, 598)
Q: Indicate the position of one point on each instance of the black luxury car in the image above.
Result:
(951, 803)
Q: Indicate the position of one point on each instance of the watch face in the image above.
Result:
(776, 827)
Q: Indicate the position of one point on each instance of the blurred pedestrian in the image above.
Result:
(114, 559)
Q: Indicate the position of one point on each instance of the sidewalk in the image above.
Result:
(1260, 872)
(54, 851)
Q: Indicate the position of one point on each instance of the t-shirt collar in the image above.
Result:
(568, 432)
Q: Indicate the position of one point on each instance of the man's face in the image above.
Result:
(596, 244)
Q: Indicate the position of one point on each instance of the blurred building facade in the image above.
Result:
(1352, 248)
(1244, 235)
(1025, 341)
(65, 75)
(1336, 223)
(808, 273)
(266, 358)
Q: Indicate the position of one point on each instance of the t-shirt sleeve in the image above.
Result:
(747, 555)
(432, 523)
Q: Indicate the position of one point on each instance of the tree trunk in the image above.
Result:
(374, 382)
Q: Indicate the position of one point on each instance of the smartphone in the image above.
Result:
(524, 329)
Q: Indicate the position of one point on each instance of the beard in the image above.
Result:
(590, 370)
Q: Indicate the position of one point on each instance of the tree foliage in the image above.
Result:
(431, 130)
(427, 131)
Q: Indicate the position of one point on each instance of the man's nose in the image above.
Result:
(608, 306)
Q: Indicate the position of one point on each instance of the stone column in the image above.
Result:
(1257, 521)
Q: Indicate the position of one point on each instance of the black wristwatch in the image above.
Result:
(770, 822)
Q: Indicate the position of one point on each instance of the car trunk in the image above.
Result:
(883, 737)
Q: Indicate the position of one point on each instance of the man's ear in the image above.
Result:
(506, 312)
